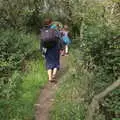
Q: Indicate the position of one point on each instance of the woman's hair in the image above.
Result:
(47, 21)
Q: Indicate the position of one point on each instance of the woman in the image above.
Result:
(52, 55)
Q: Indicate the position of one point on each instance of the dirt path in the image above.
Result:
(47, 95)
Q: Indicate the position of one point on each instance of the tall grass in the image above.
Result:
(32, 82)
(25, 88)
(22, 74)
(34, 78)
(70, 97)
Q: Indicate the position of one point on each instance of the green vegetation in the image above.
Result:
(21, 92)
(70, 97)
(15, 46)
(95, 58)
(33, 80)
(94, 62)
(22, 75)
(69, 100)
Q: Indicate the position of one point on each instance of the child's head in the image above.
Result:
(65, 27)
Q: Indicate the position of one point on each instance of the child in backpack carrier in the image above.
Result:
(66, 40)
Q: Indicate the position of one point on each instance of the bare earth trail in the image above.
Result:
(47, 94)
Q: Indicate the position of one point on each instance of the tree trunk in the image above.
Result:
(82, 30)
(97, 98)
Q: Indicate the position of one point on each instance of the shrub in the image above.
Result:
(15, 46)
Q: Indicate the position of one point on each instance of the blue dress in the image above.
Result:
(52, 57)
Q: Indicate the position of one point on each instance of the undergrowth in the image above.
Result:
(22, 74)
(25, 88)
(70, 97)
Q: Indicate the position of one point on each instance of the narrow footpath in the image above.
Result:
(47, 94)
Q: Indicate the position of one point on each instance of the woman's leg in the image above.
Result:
(50, 74)
(54, 72)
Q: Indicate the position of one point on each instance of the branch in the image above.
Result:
(113, 7)
(97, 98)
(82, 30)
(115, 38)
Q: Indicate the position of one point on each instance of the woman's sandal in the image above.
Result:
(54, 78)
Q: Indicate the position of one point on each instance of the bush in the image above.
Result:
(20, 93)
(68, 111)
(9, 93)
(100, 54)
(15, 46)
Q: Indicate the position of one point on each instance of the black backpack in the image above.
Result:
(48, 37)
